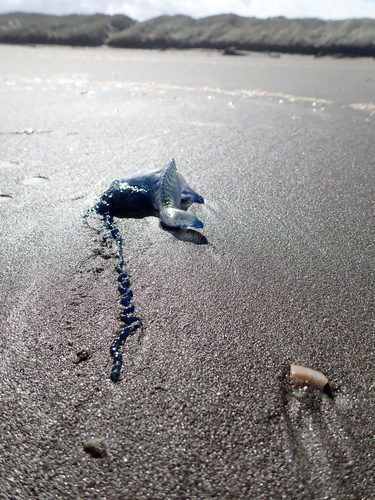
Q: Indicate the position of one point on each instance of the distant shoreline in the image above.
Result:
(226, 32)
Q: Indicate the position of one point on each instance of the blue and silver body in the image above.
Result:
(162, 192)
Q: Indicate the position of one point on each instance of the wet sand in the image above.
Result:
(283, 151)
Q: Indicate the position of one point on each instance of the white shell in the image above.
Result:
(302, 376)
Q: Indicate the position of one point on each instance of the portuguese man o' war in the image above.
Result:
(163, 193)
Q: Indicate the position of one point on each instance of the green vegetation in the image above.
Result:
(353, 37)
(62, 30)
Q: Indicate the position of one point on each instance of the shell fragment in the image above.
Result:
(302, 376)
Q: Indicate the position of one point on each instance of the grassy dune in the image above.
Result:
(62, 30)
(352, 37)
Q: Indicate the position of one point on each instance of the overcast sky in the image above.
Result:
(146, 9)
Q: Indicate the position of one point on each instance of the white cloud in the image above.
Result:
(146, 9)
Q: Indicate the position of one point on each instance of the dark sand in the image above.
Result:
(281, 273)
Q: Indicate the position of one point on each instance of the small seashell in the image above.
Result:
(306, 377)
(95, 447)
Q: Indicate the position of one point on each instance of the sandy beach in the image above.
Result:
(282, 149)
